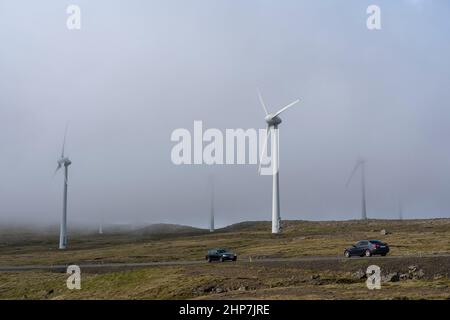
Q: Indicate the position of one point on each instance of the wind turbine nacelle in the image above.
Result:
(272, 121)
(64, 161)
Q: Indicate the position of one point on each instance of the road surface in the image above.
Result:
(196, 262)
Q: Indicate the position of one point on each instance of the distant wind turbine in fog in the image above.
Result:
(211, 218)
(400, 210)
(360, 164)
(273, 121)
(100, 227)
(64, 161)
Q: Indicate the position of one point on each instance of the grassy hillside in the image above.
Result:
(250, 239)
(242, 280)
(248, 278)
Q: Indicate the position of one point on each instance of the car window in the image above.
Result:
(365, 243)
(375, 241)
(359, 244)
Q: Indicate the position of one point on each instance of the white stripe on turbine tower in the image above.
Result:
(64, 161)
(211, 221)
(273, 121)
(360, 163)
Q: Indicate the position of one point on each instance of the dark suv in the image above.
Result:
(367, 248)
(221, 255)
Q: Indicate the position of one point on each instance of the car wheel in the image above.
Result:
(222, 260)
(383, 254)
(368, 253)
(347, 254)
(209, 260)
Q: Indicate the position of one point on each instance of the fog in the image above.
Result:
(138, 70)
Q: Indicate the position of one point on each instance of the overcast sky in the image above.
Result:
(137, 70)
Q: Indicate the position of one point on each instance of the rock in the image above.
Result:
(219, 290)
(204, 289)
(242, 288)
(415, 272)
(404, 276)
(438, 276)
(412, 268)
(360, 274)
(391, 277)
(419, 274)
(315, 277)
(384, 232)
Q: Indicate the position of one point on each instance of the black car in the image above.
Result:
(220, 255)
(367, 248)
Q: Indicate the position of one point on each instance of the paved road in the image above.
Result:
(177, 263)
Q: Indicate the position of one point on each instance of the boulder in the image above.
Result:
(438, 276)
(219, 290)
(404, 276)
(412, 268)
(391, 277)
(419, 274)
(204, 289)
(384, 232)
(415, 273)
(360, 274)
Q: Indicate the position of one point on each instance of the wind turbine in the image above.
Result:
(361, 163)
(100, 227)
(273, 121)
(64, 161)
(400, 210)
(211, 221)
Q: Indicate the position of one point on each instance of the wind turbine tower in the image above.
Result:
(100, 227)
(361, 163)
(273, 121)
(64, 161)
(211, 221)
(400, 210)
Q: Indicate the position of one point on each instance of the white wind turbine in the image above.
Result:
(100, 227)
(360, 163)
(64, 161)
(273, 121)
(400, 210)
(211, 221)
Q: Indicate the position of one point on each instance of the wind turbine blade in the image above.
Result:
(287, 107)
(262, 102)
(264, 149)
(57, 168)
(353, 173)
(64, 141)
